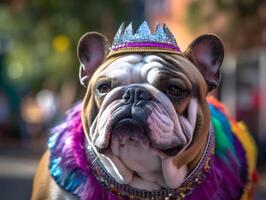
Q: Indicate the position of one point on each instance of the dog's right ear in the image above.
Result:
(207, 53)
(92, 50)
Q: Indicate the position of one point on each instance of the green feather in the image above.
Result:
(223, 143)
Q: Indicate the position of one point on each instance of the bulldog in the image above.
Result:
(144, 129)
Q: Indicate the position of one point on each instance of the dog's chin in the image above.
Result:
(129, 135)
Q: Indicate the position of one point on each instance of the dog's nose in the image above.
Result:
(136, 94)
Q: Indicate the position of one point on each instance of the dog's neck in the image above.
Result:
(195, 176)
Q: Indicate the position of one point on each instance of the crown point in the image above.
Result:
(144, 29)
(119, 32)
(129, 29)
(159, 30)
(128, 34)
(169, 34)
(160, 34)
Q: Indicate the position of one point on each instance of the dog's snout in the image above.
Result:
(136, 94)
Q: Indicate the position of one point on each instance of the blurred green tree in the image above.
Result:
(42, 36)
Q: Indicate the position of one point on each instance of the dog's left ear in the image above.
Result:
(207, 53)
(92, 50)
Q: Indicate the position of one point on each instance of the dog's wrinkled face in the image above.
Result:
(140, 98)
(144, 111)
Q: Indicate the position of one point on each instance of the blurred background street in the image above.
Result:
(39, 67)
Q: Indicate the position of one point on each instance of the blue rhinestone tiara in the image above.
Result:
(162, 38)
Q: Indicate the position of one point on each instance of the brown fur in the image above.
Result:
(41, 183)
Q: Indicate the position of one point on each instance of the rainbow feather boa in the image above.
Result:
(229, 177)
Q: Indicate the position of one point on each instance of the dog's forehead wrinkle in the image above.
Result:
(113, 70)
(132, 58)
(126, 70)
(137, 68)
(150, 58)
(150, 70)
(136, 72)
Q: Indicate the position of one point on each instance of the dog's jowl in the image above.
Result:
(146, 128)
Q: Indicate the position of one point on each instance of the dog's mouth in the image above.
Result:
(130, 128)
(135, 131)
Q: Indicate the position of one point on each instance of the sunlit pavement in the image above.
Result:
(18, 161)
(17, 168)
(16, 177)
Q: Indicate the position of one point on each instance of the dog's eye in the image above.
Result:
(103, 88)
(175, 91)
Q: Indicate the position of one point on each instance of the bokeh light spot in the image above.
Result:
(15, 70)
(61, 43)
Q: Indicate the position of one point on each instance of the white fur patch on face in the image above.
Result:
(129, 156)
(126, 69)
